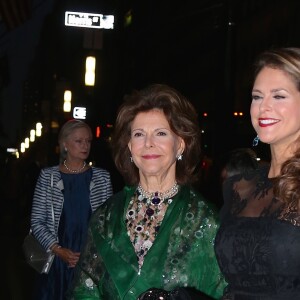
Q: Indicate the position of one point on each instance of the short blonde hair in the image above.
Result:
(67, 129)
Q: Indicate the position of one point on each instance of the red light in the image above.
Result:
(98, 131)
(205, 114)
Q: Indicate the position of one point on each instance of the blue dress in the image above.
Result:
(71, 233)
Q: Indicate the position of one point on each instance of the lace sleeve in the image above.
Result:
(227, 198)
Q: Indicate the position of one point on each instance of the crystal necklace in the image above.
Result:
(75, 171)
(158, 197)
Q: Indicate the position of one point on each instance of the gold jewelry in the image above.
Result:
(75, 171)
(158, 197)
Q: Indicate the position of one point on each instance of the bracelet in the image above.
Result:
(56, 246)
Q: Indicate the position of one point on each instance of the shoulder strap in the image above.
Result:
(52, 210)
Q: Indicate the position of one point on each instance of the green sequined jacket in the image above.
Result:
(182, 254)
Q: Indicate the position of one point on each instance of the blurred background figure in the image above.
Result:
(232, 162)
(238, 161)
(156, 234)
(75, 189)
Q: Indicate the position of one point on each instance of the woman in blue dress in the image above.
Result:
(65, 197)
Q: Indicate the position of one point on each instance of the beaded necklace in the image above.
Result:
(157, 197)
(75, 171)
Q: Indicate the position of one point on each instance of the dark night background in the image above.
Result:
(203, 48)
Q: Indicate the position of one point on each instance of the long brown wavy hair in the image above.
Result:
(287, 184)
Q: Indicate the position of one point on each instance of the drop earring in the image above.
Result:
(131, 159)
(255, 141)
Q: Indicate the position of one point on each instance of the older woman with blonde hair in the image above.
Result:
(65, 197)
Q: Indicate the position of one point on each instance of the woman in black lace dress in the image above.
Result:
(258, 243)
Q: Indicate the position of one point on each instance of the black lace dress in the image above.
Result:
(258, 243)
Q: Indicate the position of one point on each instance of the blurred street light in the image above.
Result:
(32, 135)
(67, 101)
(38, 129)
(90, 66)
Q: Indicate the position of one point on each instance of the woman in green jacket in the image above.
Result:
(157, 234)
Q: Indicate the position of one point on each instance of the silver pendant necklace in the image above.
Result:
(74, 171)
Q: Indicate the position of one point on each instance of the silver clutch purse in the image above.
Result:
(36, 256)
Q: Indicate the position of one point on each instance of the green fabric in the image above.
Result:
(181, 255)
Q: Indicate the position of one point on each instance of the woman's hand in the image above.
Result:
(67, 255)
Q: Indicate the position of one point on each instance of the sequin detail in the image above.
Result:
(89, 283)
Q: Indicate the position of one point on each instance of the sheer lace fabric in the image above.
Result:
(258, 243)
(251, 195)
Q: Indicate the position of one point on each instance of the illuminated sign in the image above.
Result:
(89, 20)
(79, 113)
